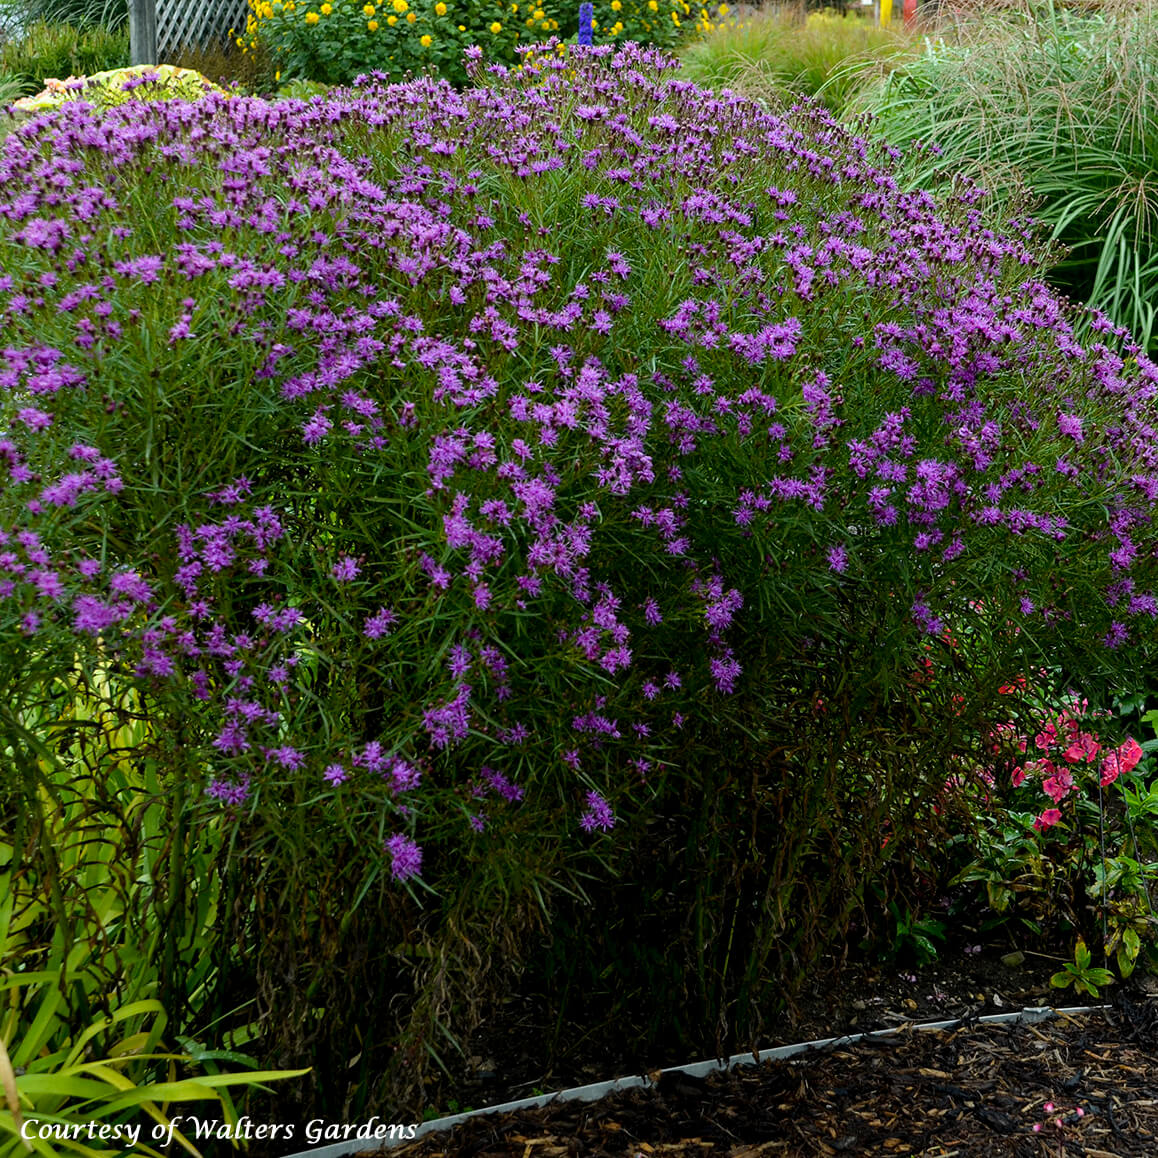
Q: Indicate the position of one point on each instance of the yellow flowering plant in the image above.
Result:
(334, 42)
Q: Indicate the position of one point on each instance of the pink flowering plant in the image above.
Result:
(1082, 851)
(487, 490)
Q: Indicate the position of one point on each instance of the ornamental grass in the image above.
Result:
(1058, 101)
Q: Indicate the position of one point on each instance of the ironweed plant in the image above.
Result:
(487, 493)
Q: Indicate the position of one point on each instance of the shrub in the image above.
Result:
(117, 87)
(1064, 104)
(335, 42)
(1067, 824)
(543, 494)
(781, 54)
(59, 51)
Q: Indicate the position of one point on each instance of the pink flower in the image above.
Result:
(1085, 747)
(1111, 769)
(1018, 776)
(1129, 753)
(1058, 785)
(1047, 819)
(1046, 737)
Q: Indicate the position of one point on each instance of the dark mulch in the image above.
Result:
(975, 1091)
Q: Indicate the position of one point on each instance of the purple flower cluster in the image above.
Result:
(519, 419)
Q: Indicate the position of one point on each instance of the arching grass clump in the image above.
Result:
(782, 53)
(558, 491)
(1058, 101)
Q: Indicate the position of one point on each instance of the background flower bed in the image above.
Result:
(484, 492)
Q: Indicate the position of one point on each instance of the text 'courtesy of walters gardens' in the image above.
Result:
(202, 1129)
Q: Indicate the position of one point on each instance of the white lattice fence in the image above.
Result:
(204, 23)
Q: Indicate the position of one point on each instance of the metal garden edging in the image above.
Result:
(598, 1090)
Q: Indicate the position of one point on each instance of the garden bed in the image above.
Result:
(1076, 1084)
(976, 1088)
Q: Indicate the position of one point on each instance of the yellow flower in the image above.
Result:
(675, 19)
(400, 6)
(618, 27)
(723, 10)
(410, 18)
(545, 24)
(367, 10)
(496, 28)
(653, 5)
(440, 8)
(312, 18)
(539, 14)
(615, 5)
(426, 41)
(391, 20)
(326, 9)
(372, 25)
(462, 28)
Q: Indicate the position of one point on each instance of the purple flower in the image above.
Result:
(345, 569)
(232, 793)
(404, 776)
(380, 623)
(725, 671)
(838, 559)
(598, 814)
(405, 856)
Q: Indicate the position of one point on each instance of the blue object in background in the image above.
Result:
(586, 17)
